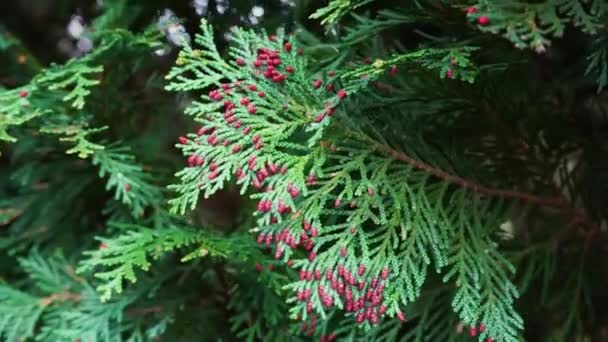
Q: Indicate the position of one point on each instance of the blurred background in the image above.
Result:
(55, 30)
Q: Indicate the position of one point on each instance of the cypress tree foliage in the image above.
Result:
(418, 171)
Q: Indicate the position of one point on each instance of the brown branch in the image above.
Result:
(551, 202)
(145, 310)
(387, 87)
(60, 297)
(558, 202)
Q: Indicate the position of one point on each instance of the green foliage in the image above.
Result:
(534, 25)
(598, 62)
(132, 250)
(407, 176)
(20, 312)
(352, 164)
(131, 185)
(337, 9)
(61, 304)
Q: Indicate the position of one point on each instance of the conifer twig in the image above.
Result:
(552, 202)
(60, 297)
(557, 202)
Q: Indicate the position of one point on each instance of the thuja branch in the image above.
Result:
(60, 297)
(552, 202)
(558, 202)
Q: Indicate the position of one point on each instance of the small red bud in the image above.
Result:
(312, 179)
(370, 191)
(239, 173)
(300, 51)
(337, 202)
(360, 318)
(393, 70)
(103, 245)
(244, 101)
(483, 20)
(213, 140)
(343, 252)
(449, 74)
(240, 61)
(290, 69)
(309, 245)
(329, 87)
(482, 327)
(306, 225)
(401, 316)
(331, 73)
(384, 273)
(312, 256)
(23, 93)
(295, 193)
(246, 130)
(251, 108)
(127, 187)
(473, 331)
(382, 309)
(341, 94)
(236, 148)
(192, 160)
(183, 140)
(317, 84)
(361, 270)
(272, 38)
(471, 10)
(287, 47)
(262, 94)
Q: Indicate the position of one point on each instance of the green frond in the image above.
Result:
(336, 9)
(122, 256)
(368, 209)
(19, 313)
(598, 62)
(131, 185)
